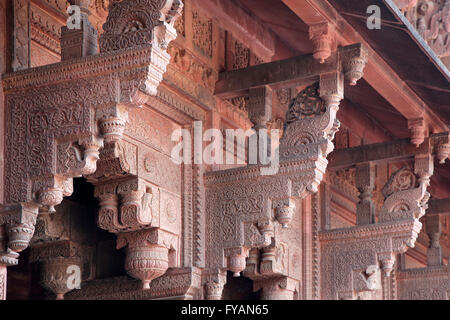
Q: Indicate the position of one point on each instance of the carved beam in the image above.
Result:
(389, 151)
(291, 72)
(177, 284)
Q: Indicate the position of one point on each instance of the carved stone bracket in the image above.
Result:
(147, 255)
(356, 249)
(441, 143)
(246, 214)
(58, 116)
(355, 59)
(418, 131)
(324, 40)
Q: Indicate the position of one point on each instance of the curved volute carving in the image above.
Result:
(143, 23)
(252, 212)
(361, 250)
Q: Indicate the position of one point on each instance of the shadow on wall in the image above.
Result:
(240, 288)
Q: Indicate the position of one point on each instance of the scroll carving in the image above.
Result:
(254, 211)
(359, 252)
(432, 19)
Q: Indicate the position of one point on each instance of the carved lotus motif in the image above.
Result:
(147, 263)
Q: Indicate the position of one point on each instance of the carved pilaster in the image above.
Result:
(365, 182)
(434, 230)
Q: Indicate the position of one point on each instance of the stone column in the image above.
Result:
(434, 252)
(365, 182)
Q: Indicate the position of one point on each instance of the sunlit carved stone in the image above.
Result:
(284, 215)
(112, 129)
(146, 263)
(355, 59)
(214, 290)
(19, 236)
(443, 152)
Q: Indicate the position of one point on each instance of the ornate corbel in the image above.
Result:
(19, 222)
(324, 41)
(57, 273)
(214, 284)
(406, 192)
(284, 211)
(311, 124)
(236, 259)
(147, 253)
(127, 205)
(355, 58)
(441, 143)
(417, 128)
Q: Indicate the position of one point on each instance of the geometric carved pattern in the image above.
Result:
(60, 115)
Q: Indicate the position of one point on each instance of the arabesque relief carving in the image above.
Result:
(362, 250)
(60, 116)
(250, 214)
